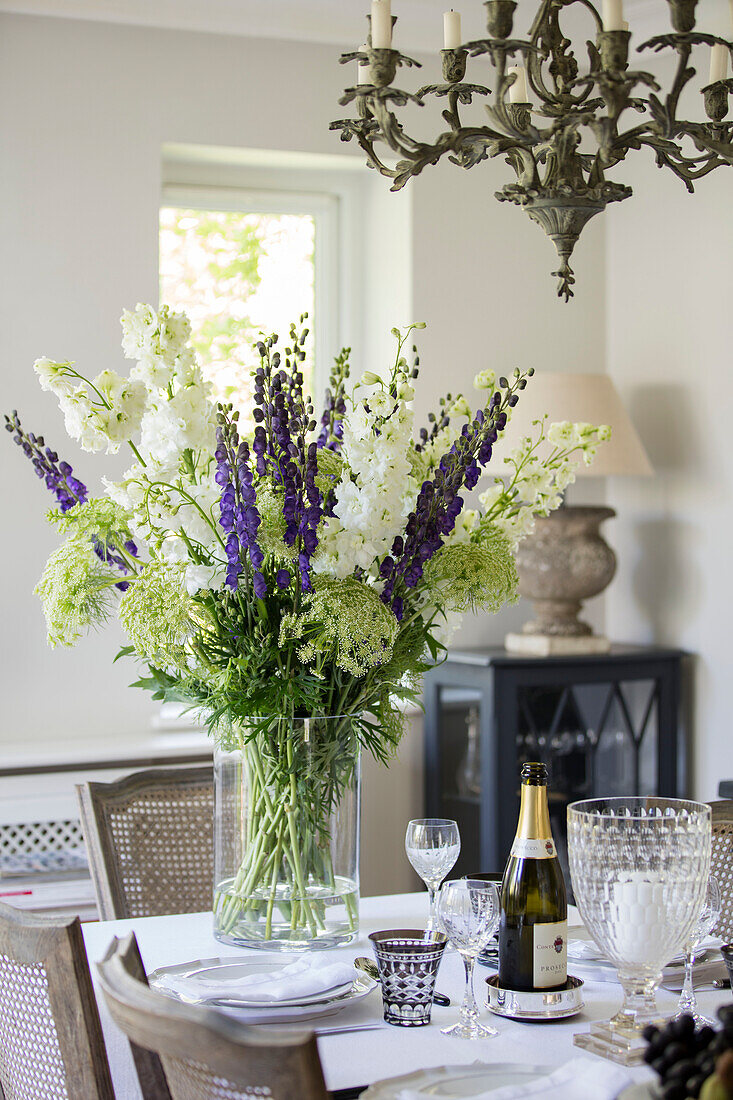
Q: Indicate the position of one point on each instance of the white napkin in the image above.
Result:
(585, 949)
(576, 1080)
(304, 977)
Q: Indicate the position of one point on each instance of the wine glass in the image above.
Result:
(706, 922)
(469, 912)
(432, 845)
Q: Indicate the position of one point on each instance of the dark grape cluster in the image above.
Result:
(683, 1057)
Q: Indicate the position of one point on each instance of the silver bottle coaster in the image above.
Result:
(556, 1004)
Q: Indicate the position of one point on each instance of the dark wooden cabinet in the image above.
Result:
(605, 724)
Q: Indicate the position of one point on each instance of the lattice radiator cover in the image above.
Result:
(28, 838)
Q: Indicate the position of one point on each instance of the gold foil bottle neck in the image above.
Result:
(534, 816)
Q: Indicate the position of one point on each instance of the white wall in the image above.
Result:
(669, 350)
(85, 109)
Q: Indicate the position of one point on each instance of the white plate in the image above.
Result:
(326, 1002)
(456, 1082)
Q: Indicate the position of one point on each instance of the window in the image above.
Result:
(250, 238)
(241, 263)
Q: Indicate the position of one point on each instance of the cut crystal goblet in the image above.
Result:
(639, 868)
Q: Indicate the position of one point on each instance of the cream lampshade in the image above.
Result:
(566, 560)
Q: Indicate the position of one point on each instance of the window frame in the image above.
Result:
(324, 208)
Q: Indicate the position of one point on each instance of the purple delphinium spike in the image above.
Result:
(58, 476)
(283, 421)
(68, 490)
(238, 515)
(439, 502)
(332, 426)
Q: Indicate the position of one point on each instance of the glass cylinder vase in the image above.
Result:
(286, 833)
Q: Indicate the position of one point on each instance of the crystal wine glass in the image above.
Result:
(706, 922)
(432, 845)
(469, 911)
(639, 868)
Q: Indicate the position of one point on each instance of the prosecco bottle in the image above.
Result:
(534, 910)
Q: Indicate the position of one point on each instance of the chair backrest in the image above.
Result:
(721, 864)
(150, 840)
(206, 1054)
(51, 1045)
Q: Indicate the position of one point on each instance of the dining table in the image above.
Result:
(356, 1058)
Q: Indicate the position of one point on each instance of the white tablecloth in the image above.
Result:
(363, 1057)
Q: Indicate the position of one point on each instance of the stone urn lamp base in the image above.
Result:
(564, 562)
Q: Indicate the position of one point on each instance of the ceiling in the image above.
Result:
(337, 21)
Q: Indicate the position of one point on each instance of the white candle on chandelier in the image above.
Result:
(452, 30)
(613, 15)
(381, 24)
(518, 90)
(364, 69)
(718, 62)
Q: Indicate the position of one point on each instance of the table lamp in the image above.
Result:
(566, 560)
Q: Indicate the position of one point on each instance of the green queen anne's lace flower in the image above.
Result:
(479, 575)
(156, 613)
(346, 622)
(76, 591)
(98, 518)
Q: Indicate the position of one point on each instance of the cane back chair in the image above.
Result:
(51, 1045)
(150, 841)
(206, 1054)
(721, 864)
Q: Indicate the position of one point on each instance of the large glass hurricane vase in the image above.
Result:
(639, 868)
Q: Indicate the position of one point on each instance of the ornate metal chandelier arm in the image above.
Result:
(665, 113)
(551, 49)
(714, 142)
(713, 138)
(688, 169)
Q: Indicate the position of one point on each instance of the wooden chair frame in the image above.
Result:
(285, 1063)
(97, 801)
(58, 946)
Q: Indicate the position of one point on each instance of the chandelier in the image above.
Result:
(559, 129)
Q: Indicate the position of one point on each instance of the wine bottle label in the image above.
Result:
(534, 848)
(550, 954)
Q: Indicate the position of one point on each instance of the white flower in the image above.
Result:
(203, 576)
(147, 334)
(376, 490)
(81, 420)
(485, 380)
(53, 376)
(562, 434)
(154, 373)
(490, 496)
(127, 400)
(465, 524)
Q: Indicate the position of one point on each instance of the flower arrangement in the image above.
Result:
(303, 573)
